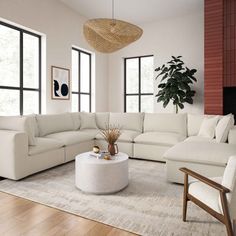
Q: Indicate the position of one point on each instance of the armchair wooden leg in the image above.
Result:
(234, 227)
(185, 199)
(225, 209)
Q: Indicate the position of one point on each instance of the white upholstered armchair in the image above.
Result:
(217, 196)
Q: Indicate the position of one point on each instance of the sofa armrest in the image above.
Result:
(232, 136)
(13, 153)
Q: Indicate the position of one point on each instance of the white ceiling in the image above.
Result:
(135, 11)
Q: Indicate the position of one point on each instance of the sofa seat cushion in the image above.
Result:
(126, 136)
(210, 153)
(199, 139)
(91, 132)
(71, 137)
(159, 138)
(206, 194)
(44, 145)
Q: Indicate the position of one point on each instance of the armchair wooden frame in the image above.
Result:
(223, 218)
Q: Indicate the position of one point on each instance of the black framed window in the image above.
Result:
(20, 71)
(81, 80)
(138, 84)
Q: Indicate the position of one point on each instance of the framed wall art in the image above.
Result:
(60, 83)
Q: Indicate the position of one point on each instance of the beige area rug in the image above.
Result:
(148, 206)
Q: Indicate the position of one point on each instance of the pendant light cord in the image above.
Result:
(112, 9)
(113, 13)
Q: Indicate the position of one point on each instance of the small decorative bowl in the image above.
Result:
(107, 157)
(96, 149)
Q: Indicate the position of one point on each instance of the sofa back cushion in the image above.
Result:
(76, 120)
(102, 119)
(127, 121)
(88, 120)
(49, 124)
(20, 123)
(166, 122)
(194, 122)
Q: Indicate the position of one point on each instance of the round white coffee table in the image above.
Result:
(99, 176)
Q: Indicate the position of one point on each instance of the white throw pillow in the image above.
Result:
(88, 120)
(208, 126)
(223, 127)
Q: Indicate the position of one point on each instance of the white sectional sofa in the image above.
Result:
(37, 142)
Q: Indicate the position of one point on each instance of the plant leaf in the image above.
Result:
(165, 103)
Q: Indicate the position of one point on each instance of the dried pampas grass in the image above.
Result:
(111, 133)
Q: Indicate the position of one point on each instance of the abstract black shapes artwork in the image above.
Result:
(60, 83)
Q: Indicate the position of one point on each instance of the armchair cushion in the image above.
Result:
(229, 181)
(205, 194)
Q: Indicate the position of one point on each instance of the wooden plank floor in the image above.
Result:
(22, 217)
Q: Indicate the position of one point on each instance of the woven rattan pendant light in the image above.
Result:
(109, 35)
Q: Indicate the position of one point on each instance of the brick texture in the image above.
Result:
(214, 55)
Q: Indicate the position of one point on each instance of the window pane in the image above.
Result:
(147, 75)
(132, 74)
(132, 104)
(75, 72)
(84, 102)
(9, 57)
(9, 102)
(31, 102)
(74, 101)
(31, 61)
(84, 73)
(147, 103)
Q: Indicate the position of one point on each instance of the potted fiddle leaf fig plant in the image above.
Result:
(175, 83)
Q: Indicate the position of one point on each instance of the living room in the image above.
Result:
(117, 118)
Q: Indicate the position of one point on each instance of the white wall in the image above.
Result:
(63, 28)
(177, 36)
